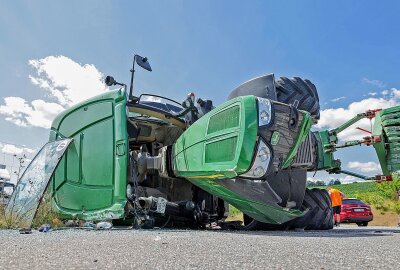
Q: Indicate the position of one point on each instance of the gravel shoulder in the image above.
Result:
(347, 247)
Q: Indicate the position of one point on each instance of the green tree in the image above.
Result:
(337, 182)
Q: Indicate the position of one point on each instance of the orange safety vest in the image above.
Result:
(336, 197)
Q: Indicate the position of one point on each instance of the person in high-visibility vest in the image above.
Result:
(336, 198)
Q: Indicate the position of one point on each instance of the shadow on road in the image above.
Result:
(335, 233)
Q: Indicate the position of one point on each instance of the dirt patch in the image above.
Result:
(384, 219)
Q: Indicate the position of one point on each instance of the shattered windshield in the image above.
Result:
(25, 200)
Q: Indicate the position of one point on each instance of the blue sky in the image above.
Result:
(348, 49)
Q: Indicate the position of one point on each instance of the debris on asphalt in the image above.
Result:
(44, 228)
(157, 238)
(104, 225)
(72, 223)
(25, 231)
(89, 224)
(231, 225)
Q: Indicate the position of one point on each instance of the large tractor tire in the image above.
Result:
(318, 217)
(320, 213)
(302, 92)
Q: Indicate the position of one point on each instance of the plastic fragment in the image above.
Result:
(89, 224)
(45, 228)
(104, 225)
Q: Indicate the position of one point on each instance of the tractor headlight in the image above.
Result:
(261, 161)
(264, 111)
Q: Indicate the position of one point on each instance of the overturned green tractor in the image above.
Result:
(152, 161)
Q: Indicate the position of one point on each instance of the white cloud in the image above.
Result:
(65, 83)
(349, 179)
(14, 149)
(365, 167)
(334, 117)
(372, 93)
(338, 99)
(38, 113)
(374, 82)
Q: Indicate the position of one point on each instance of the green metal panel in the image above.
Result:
(260, 211)
(326, 160)
(221, 143)
(90, 182)
(387, 126)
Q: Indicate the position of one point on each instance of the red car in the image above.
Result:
(355, 211)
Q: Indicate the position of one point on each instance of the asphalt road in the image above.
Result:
(347, 247)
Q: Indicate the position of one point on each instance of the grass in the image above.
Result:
(234, 214)
(3, 221)
(353, 190)
(44, 215)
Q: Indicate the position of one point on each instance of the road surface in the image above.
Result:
(347, 247)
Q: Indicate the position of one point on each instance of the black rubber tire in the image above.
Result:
(362, 224)
(320, 213)
(318, 217)
(304, 91)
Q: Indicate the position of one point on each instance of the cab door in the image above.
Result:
(90, 182)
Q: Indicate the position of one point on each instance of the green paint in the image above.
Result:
(216, 148)
(325, 151)
(91, 178)
(261, 212)
(377, 130)
(275, 138)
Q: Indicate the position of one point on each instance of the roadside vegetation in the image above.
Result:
(383, 196)
(234, 214)
(44, 215)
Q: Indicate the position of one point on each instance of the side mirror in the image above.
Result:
(143, 62)
(110, 81)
